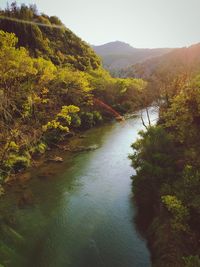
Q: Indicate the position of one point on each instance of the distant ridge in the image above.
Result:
(116, 47)
(118, 55)
(185, 59)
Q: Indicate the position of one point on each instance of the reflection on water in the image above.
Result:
(82, 214)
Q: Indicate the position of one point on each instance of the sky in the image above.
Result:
(141, 23)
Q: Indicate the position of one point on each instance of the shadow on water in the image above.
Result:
(17, 242)
(82, 211)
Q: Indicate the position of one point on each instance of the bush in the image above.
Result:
(97, 117)
(90, 119)
(178, 212)
(75, 121)
(17, 162)
(154, 160)
(87, 120)
(191, 261)
(54, 131)
(40, 148)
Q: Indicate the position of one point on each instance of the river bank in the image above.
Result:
(81, 213)
(54, 154)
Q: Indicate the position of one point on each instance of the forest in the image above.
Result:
(166, 159)
(52, 85)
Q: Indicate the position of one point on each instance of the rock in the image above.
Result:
(70, 134)
(56, 159)
(66, 148)
(83, 148)
(82, 136)
(120, 118)
(93, 147)
(130, 115)
(78, 149)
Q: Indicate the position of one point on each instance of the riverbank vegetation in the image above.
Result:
(167, 181)
(52, 84)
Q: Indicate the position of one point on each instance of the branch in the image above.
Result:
(143, 121)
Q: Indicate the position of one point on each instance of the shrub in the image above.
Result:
(16, 162)
(97, 117)
(191, 261)
(40, 148)
(87, 119)
(75, 121)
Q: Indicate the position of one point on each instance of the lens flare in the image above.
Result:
(109, 109)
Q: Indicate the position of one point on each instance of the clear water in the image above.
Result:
(83, 214)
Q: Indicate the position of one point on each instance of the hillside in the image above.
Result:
(118, 55)
(186, 59)
(52, 85)
(46, 36)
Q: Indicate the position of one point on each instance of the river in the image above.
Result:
(83, 213)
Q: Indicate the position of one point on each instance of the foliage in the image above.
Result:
(59, 45)
(191, 261)
(97, 117)
(87, 119)
(39, 148)
(66, 113)
(177, 210)
(154, 162)
(166, 184)
(184, 113)
(17, 162)
(51, 84)
(62, 121)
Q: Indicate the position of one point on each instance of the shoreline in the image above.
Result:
(55, 151)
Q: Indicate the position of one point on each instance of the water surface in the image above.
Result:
(83, 213)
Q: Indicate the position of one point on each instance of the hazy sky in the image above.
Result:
(141, 23)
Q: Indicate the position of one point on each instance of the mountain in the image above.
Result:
(48, 37)
(185, 59)
(117, 55)
(114, 48)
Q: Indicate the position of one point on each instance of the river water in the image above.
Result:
(83, 213)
